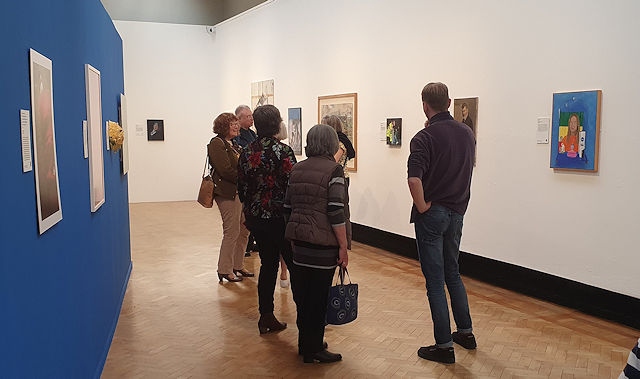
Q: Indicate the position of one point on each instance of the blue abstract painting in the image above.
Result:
(575, 130)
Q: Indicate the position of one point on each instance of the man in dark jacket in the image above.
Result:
(439, 176)
(245, 117)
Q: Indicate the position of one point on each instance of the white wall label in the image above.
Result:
(542, 134)
(25, 134)
(85, 139)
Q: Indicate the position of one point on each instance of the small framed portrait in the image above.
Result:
(155, 130)
(466, 111)
(394, 131)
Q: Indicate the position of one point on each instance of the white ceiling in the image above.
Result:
(195, 12)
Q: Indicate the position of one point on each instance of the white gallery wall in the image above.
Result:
(513, 55)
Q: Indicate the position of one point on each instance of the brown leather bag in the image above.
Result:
(205, 196)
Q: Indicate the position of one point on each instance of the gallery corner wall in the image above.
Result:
(60, 291)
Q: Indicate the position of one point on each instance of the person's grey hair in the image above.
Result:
(240, 108)
(322, 140)
(282, 134)
(333, 121)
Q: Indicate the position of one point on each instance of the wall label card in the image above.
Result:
(25, 134)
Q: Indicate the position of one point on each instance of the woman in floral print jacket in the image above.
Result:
(264, 168)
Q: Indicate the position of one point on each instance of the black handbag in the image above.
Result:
(342, 305)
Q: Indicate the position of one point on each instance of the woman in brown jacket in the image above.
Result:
(223, 156)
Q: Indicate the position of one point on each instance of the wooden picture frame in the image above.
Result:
(95, 134)
(345, 106)
(575, 130)
(262, 93)
(44, 142)
(465, 110)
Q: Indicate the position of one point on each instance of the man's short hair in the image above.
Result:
(464, 105)
(436, 95)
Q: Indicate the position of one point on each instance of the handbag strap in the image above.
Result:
(341, 272)
(206, 159)
(206, 164)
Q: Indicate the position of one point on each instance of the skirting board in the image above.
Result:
(591, 300)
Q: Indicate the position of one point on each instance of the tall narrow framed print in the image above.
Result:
(295, 130)
(124, 157)
(344, 106)
(575, 130)
(44, 137)
(94, 121)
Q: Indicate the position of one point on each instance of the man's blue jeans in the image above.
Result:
(438, 233)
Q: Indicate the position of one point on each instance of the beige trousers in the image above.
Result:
(234, 235)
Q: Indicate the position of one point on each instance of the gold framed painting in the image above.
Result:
(345, 106)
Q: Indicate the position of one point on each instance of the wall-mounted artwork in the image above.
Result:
(575, 130)
(261, 93)
(344, 106)
(466, 111)
(124, 156)
(44, 137)
(394, 131)
(94, 133)
(155, 130)
(295, 130)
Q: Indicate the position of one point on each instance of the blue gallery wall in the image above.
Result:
(60, 292)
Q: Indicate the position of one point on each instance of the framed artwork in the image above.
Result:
(465, 110)
(295, 130)
(344, 106)
(44, 137)
(394, 131)
(261, 93)
(124, 157)
(94, 133)
(575, 130)
(155, 130)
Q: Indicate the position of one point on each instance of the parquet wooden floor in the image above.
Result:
(178, 322)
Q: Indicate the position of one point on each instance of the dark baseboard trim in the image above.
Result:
(591, 300)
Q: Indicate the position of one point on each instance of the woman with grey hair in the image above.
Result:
(316, 226)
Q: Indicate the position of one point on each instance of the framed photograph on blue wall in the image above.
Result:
(95, 133)
(44, 141)
(575, 130)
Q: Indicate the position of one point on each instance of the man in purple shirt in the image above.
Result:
(439, 176)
